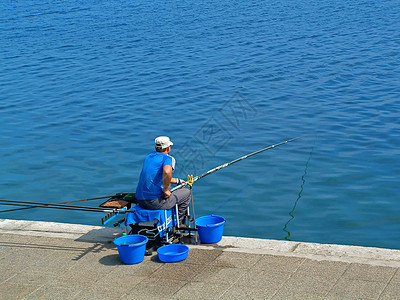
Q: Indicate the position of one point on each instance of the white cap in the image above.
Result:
(163, 142)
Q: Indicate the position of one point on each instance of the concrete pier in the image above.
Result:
(44, 260)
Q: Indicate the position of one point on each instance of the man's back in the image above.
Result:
(150, 185)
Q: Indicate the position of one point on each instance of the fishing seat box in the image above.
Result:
(156, 225)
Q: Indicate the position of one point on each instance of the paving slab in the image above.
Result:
(249, 292)
(53, 292)
(347, 288)
(155, 288)
(236, 260)
(330, 269)
(40, 260)
(13, 290)
(396, 277)
(306, 284)
(202, 256)
(262, 279)
(201, 290)
(279, 263)
(369, 272)
(392, 291)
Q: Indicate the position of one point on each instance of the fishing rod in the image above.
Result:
(58, 206)
(83, 200)
(30, 207)
(192, 180)
(111, 211)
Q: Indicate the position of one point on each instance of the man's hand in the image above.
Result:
(166, 194)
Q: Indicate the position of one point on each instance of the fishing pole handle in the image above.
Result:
(189, 182)
(179, 186)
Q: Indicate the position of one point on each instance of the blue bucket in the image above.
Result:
(173, 253)
(131, 248)
(210, 228)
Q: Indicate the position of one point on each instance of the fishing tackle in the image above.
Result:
(192, 180)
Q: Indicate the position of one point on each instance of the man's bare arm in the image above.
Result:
(167, 176)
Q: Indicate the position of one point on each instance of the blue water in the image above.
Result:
(86, 86)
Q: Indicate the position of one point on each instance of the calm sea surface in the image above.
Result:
(86, 86)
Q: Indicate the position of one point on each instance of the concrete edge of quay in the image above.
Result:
(314, 251)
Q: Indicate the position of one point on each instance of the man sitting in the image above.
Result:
(153, 189)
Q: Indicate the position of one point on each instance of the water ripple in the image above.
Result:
(86, 87)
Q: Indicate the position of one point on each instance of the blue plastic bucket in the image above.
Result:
(173, 253)
(210, 228)
(131, 248)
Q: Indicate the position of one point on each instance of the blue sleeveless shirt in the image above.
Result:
(150, 185)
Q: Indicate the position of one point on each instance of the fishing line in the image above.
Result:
(291, 213)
